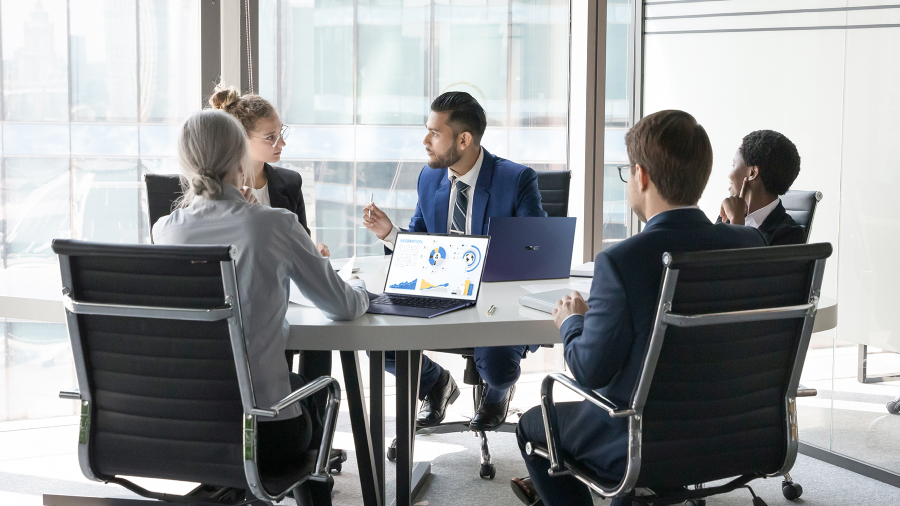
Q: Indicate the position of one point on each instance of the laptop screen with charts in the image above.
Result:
(431, 274)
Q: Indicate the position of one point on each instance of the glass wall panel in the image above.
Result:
(833, 96)
(393, 62)
(103, 52)
(35, 60)
(619, 58)
(89, 88)
(472, 51)
(355, 81)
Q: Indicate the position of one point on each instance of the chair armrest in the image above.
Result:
(296, 396)
(551, 422)
(331, 415)
(74, 395)
(802, 391)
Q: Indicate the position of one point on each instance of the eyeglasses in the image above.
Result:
(273, 139)
(624, 175)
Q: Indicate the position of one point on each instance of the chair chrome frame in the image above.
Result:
(230, 310)
(664, 318)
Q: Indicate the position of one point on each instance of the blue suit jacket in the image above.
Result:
(605, 348)
(504, 189)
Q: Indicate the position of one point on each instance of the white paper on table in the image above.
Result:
(584, 286)
(346, 271)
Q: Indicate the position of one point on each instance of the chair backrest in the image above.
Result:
(162, 192)
(717, 390)
(801, 206)
(164, 389)
(554, 188)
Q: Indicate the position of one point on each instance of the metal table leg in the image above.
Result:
(376, 415)
(372, 488)
(409, 480)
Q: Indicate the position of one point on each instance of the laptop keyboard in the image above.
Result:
(407, 301)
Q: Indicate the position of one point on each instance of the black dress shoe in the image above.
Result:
(491, 415)
(524, 490)
(434, 407)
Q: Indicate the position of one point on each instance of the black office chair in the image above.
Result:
(164, 382)
(801, 206)
(162, 192)
(554, 189)
(716, 395)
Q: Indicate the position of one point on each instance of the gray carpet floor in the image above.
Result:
(455, 479)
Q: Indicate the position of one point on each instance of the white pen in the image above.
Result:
(371, 201)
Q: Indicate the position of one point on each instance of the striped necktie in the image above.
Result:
(460, 209)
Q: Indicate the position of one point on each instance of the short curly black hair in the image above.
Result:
(775, 156)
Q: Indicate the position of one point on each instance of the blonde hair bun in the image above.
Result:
(224, 97)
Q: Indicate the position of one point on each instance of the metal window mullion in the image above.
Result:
(636, 62)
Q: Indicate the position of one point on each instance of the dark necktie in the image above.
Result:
(460, 209)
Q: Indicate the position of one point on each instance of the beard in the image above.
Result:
(445, 160)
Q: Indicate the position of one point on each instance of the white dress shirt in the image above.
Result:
(272, 249)
(470, 178)
(756, 218)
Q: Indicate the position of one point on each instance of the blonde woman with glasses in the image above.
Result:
(272, 249)
(272, 186)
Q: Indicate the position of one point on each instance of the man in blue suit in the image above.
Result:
(459, 190)
(605, 338)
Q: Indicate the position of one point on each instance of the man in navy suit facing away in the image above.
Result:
(459, 190)
(605, 338)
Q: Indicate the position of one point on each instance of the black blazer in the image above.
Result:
(605, 349)
(286, 192)
(779, 228)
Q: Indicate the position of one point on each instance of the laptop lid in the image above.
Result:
(529, 248)
(437, 265)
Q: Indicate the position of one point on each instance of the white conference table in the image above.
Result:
(35, 295)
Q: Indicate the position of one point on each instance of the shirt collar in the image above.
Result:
(470, 178)
(756, 218)
(229, 192)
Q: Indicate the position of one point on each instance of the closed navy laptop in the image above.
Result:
(529, 248)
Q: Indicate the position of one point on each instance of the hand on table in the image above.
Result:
(377, 221)
(569, 305)
(323, 250)
(735, 208)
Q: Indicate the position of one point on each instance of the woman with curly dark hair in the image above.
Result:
(764, 168)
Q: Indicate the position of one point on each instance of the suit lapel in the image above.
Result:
(772, 221)
(441, 207)
(277, 198)
(482, 194)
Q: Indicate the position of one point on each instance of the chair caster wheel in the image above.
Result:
(338, 457)
(791, 490)
(695, 502)
(392, 451)
(487, 471)
(893, 407)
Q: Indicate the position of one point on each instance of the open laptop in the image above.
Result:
(529, 248)
(432, 274)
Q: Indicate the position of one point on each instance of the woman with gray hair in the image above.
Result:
(272, 249)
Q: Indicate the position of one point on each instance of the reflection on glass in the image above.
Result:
(539, 75)
(36, 196)
(103, 52)
(615, 207)
(169, 59)
(471, 52)
(106, 206)
(38, 360)
(393, 62)
(316, 64)
(35, 62)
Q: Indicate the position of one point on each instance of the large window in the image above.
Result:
(355, 79)
(91, 96)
